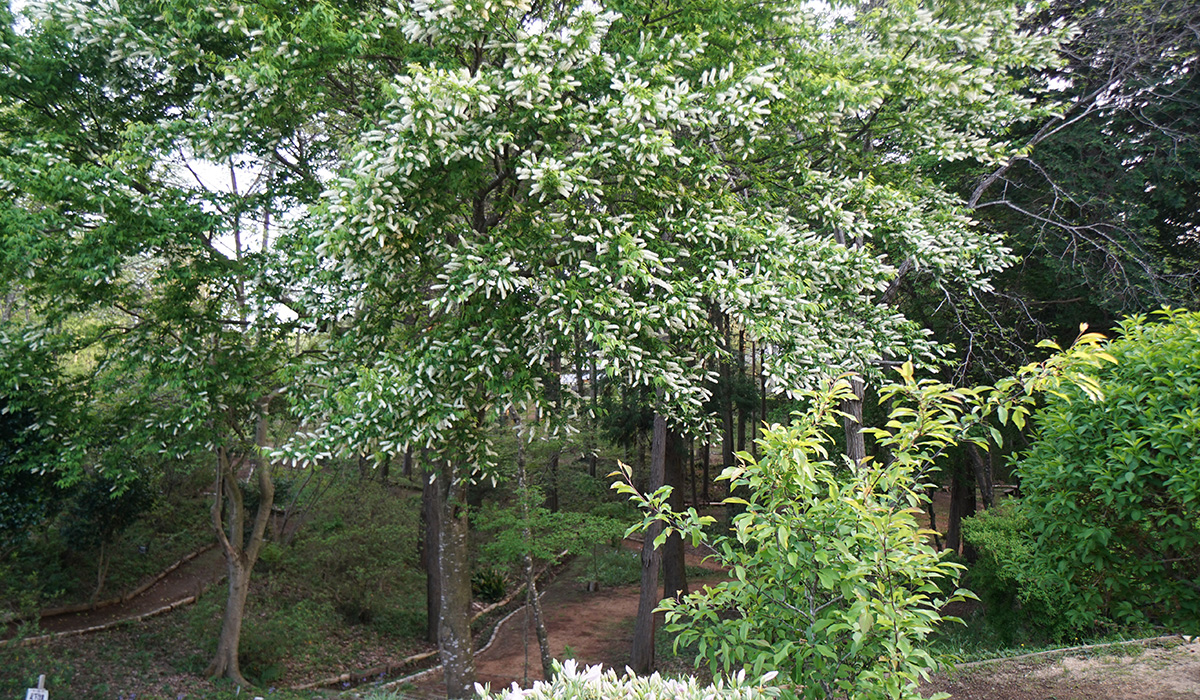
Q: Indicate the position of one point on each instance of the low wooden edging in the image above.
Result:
(388, 669)
(88, 607)
(115, 623)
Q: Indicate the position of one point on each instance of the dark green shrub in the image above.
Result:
(1112, 486)
(613, 566)
(268, 640)
(488, 584)
(406, 619)
(1022, 597)
(358, 552)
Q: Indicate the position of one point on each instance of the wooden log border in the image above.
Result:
(388, 669)
(27, 641)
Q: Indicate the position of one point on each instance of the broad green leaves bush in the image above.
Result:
(1022, 594)
(1112, 487)
(835, 585)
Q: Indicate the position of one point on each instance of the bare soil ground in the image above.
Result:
(1163, 671)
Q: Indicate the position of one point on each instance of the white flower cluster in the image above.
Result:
(596, 683)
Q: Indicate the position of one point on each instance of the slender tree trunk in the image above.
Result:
(554, 397)
(754, 420)
(856, 448)
(101, 570)
(240, 554)
(705, 458)
(674, 565)
(954, 520)
(931, 511)
(691, 457)
(640, 467)
(741, 413)
(594, 413)
(454, 636)
(432, 522)
(408, 462)
(642, 656)
(225, 664)
(539, 623)
(762, 380)
(962, 505)
(531, 594)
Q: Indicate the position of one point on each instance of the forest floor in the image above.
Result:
(596, 627)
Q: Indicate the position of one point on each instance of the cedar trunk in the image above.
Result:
(431, 520)
(531, 593)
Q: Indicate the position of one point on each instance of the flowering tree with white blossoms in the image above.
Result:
(518, 179)
(534, 176)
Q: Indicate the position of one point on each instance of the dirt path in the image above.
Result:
(597, 626)
(187, 580)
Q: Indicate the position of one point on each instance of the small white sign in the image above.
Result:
(37, 694)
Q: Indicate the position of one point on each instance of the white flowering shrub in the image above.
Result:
(597, 683)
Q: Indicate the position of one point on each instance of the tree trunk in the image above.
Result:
(705, 458)
(754, 421)
(552, 482)
(674, 566)
(539, 623)
(640, 468)
(762, 380)
(454, 637)
(962, 505)
(741, 413)
(531, 594)
(101, 570)
(691, 457)
(225, 664)
(408, 462)
(554, 399)
(856, 449)
(592, 417)
(641, 658)
(432, 522)
(240, 555)
(983, 475)
(931, 511)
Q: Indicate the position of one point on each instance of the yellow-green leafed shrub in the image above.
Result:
(1112, 485)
